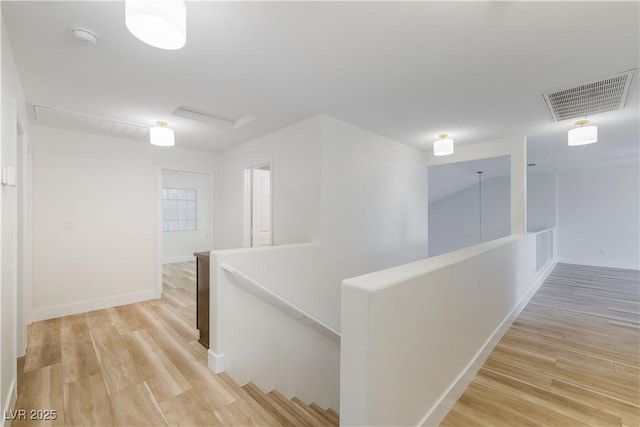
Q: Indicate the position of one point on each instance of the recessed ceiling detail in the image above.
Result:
(595, 97)
(199, 116)
(51, 116)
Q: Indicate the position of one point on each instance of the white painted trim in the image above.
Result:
(215, 362)
(9, 404)
(248, 186)
(451, 396)
(606, 264)
(182, 258)
(159, 238)
(95, 304)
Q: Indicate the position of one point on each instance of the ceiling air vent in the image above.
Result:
(596, 97)
(57, 117)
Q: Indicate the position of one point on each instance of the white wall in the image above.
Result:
(599, 216)
(108, 191)
(541, 201)
(364, 195)
(399, 365)
(179, 246)
(374, 201)
(262, 344)
(12, 106)
(454, 221)
(397, 362)
(516, 149)
(295, 155)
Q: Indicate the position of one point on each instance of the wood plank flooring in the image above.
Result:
(572, 357)
(133, 365)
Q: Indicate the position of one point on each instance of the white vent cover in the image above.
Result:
(600, 96)
(57, 117)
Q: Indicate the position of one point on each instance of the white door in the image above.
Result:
(261, 208)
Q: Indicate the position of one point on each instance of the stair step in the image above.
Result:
(272, 407)
(333, 414)
(293, 409)
(333, 421)
(310, 412)
(263, 417)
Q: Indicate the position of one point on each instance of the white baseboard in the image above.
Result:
(174, 259)
(9, 404)
(449, 399)
(215, 362)
(96, 304)
(604, 263)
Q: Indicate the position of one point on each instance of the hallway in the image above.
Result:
(571, 357)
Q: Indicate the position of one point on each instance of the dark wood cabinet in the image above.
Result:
(202, 299)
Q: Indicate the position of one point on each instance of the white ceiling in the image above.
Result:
(406, 70)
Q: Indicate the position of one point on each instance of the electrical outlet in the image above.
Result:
(602, 251)
(68, 226)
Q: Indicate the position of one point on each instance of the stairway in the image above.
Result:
(278, 410)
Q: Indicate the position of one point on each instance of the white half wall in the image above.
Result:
(96, 202)
(179, 246)
(599, 216)
(411, 334)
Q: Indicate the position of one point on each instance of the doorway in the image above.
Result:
(259, 223)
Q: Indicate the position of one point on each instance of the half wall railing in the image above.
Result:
(255, 288)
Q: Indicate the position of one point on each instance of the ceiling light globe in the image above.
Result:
(162, 136)
(583, 135)
(159, 23)
(443, 147)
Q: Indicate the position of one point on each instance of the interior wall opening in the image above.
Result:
(469, 203)
(258, 202)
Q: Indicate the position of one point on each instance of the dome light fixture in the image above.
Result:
(443, 146)
(159, 23)
(582, 135)
(161, 135)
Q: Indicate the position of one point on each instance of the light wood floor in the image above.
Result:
(138, 364)
(571, 358)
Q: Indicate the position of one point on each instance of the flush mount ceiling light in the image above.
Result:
(161, 135)
(443, 146)
(159, 23)
(583, 135)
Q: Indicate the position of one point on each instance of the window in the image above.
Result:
(179, 209)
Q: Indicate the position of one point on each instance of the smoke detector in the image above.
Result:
(599, 96)
(84, 35)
